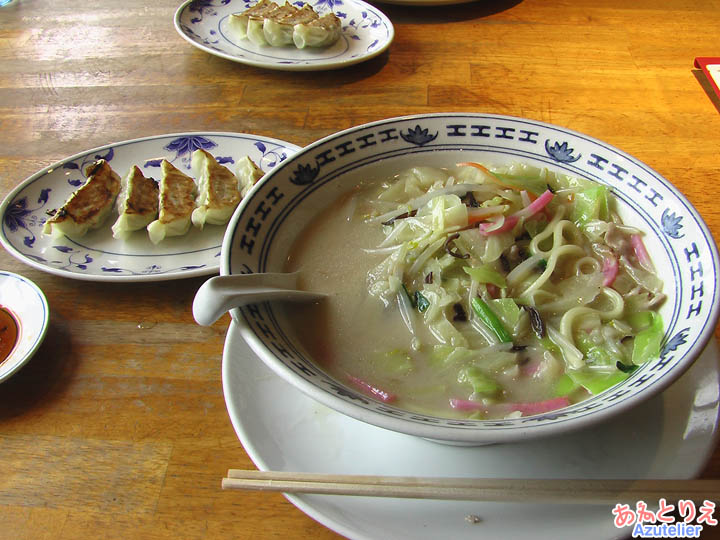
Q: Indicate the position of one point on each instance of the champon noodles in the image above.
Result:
(470, 292)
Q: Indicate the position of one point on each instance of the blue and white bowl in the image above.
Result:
(27, 306)
(284, 201)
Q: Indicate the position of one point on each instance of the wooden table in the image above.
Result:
(118, 428)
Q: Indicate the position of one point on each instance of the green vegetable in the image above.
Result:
(626, 368)
(647, 342)
(490, 319)
(533, 184)
(421, 302)
(549, 346)
(591, 204)
(564, 386)
(411, 297)
(508, 311)
(485, 274)
(599, 356)
(395, 362)
(594, 354)
(417, 300)
(481, 383)
(449, 354)
(596, 382)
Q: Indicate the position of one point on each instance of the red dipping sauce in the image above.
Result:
(8, 333)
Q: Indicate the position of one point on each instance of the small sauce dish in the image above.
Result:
(24, 317)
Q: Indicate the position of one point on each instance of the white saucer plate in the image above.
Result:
(366, 33)
(27, 305)
(670, 436)
(98, 256)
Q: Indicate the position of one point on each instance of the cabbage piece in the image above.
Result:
(531, 183)
(446, 333)
(394, 363)
(480, 382)
(449, 355)
(591, 204)
(564, 386)
(647, 342)
(384, 281)
(486, 274)
(507, 310)
(496, 361)
(596, 382)
(444, 213)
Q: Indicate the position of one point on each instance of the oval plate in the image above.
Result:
(366, 33)
(98, 256)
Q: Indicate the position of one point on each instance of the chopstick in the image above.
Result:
(575, 491)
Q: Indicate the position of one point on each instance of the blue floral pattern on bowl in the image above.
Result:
(366, 33)
(98, 256)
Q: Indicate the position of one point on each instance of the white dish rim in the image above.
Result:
(318, 66)
(16, 360)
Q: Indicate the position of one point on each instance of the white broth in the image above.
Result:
(466, 292)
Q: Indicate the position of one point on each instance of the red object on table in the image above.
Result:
(710, 66)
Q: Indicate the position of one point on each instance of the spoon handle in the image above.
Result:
(222, 293)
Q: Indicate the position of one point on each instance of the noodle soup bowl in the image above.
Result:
(269, 220)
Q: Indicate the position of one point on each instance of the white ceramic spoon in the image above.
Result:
(222, 293)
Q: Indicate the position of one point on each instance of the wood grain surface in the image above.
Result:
(117, 428)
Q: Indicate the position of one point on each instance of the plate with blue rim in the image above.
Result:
(366, 33)
(98, 256)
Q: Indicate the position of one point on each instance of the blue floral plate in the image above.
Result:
(366, 33)
(98, 256)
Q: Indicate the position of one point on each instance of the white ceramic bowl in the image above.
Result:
(27, 305)
(267, 222)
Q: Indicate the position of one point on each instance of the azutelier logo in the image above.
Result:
(664, 522)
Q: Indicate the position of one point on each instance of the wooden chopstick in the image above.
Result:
(583, 491)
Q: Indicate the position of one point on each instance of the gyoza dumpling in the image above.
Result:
(320, 32)
(279, 26)
(256, 22)
(218, 191)
(247, 174)
(176, 204)
(238, 22)
(137, 203)
(89, 205)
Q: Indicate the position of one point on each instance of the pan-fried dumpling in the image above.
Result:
(278, 28)
(218, 191)
(137, 203)
(276, 31)
(88, 206)
(256, 21)
(247, 174)
(320, 32)
(176, 204)
(238, 22)
(267, 23)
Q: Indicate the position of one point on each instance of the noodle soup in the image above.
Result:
(475, 293)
